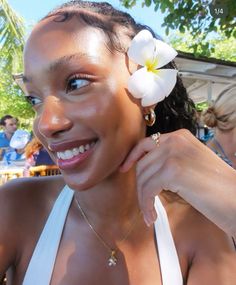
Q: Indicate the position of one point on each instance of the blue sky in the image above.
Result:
(33, 10)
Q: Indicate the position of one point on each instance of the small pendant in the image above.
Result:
(112, 260)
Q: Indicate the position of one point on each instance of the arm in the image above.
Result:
(185, 166)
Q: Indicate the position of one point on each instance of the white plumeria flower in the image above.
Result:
(149, 83)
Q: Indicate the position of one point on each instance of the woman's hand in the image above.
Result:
(182, 164)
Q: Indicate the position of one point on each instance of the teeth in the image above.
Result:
(81, 149)
(75, 151)
(69, 153)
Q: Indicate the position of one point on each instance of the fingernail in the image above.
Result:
(153, 216)
(124, 168)
(146, 221)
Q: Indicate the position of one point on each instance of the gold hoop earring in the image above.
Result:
(150, 118)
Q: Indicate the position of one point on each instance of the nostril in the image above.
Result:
(54, 127)
(53, 119)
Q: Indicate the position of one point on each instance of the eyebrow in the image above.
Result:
(60, 62)
(64, 60)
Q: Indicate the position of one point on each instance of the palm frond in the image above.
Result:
(12, 31)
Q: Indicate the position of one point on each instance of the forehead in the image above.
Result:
(51, 40)
(10, 121)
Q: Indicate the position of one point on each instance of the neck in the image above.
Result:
(114, 199)
(8, 135)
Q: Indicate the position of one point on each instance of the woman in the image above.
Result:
(222, 117)
(87, 118)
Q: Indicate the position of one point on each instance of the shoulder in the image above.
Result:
(23, 197)
(24, 207)
(204, 249)
(190, 225)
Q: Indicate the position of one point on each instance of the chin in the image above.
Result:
(79, 182)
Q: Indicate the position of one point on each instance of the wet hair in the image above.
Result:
(222, 113)
(4, 118)
(177, 110)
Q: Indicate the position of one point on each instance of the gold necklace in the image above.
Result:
(112, 260)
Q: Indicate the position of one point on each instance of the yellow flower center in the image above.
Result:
(151, 65)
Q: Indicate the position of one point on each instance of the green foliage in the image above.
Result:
(196, 17)
(12, 32)
(225, 48)
(201, 106)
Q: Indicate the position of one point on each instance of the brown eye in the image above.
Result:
(33, 100)
(76, 83)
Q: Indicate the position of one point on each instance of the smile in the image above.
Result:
(70, 153)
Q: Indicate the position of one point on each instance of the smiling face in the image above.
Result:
(84, 115)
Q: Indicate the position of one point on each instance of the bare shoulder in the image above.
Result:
(24, 206)
(24, 191)
(207, 254)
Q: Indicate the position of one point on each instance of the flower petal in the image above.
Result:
(142, 47)
(164, 53)
(139, 81)
(159, 87)
(167, 78)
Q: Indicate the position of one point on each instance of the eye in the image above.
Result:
(76, 82)
(33, 100)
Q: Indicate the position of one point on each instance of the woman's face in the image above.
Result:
(85, 117)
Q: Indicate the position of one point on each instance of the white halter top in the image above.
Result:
(39, 271)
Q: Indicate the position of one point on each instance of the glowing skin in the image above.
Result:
(96, 108)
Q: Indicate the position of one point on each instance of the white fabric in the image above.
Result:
(20, 139)
(41, 265)
(168, 258)
(42, 261)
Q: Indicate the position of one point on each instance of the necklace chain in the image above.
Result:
(112, 261)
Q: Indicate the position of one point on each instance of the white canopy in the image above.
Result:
(205, 78)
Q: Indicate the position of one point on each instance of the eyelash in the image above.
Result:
(30, 100)
(85, 79)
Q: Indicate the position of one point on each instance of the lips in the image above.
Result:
(71, 154)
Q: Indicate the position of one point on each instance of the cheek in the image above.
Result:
(115, 111)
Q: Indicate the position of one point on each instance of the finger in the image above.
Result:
(150, 215)
(152, 161)
(138, 152)
(146, 196)
(145, 170)
(148, 167)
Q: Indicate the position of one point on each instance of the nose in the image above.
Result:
(53, 120)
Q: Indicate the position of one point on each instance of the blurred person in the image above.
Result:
(9, 124)
(221, 116)
(36, 155)
(17, 144)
